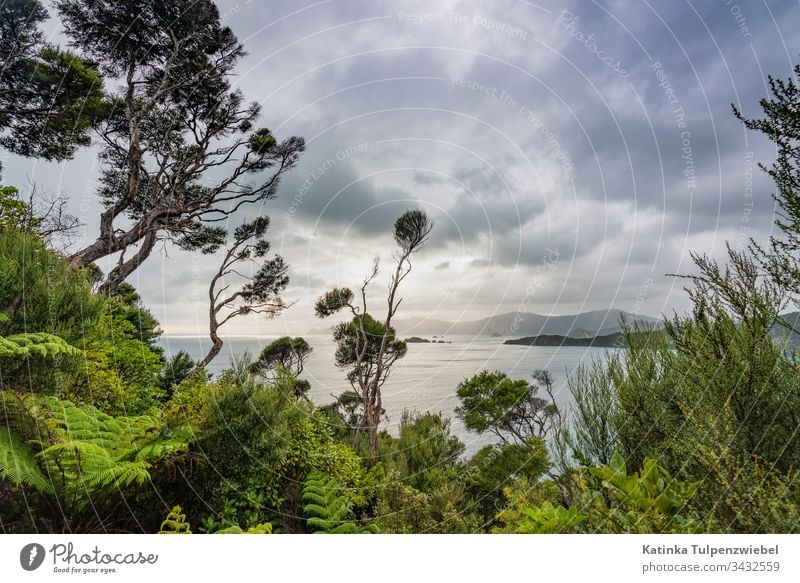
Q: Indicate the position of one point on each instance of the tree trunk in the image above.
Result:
(373, 440)
(97, 250)
(216, 347)
(123, 270)
(213, 326)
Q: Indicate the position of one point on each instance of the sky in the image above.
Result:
(571, 154)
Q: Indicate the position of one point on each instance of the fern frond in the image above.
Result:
(38, 344)
(117, 475)
(325, 509)
(18, 462)
(175, 523)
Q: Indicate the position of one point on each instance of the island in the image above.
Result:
(614, 340)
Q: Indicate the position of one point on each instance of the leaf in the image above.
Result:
(18, 462)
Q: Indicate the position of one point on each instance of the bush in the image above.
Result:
(258, 446)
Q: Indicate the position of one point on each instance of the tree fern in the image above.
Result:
(18, 462)
(35, 344)
(83, 450)
(325, 509)
(175, 523)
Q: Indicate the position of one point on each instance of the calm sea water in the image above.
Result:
(425, 380)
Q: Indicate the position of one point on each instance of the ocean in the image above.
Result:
(425, 380)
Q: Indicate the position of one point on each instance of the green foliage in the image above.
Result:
(176, 112)
(40, 293)
(175, 523)
(486, 398)
(520, 496)
(511, 409)
(176, 369)
(781, 124)
(128, 305)
(325, 509)
(18, 462)
(48, 98)
(14, 212)
(350, 342)
(282, 356)
(649, 501)
(411, 230)
(35, 344)
(715, 400)
(426, 454)
(118, 362)
(591, 437)
(549, 519)
(744, 493)
(612, 501)
(134, 360)
(259, 443)
(262, 141)
(265, 528)
(494, 466)
(288, 352)
(87, 456)
(403, 509)
(333, 301)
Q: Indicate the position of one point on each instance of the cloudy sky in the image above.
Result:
(571, 154)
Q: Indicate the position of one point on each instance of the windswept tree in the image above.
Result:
(233, 292)
(366, 346)
(181, 148)
(49, 98)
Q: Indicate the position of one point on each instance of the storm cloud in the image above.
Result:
(598, 135)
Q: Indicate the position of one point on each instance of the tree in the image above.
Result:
(285, 354)
(288, 352)
(14, 213)
(181, 150)
(715, 400)
(368, 347)
(175, 370)
(260, 294)
(510, 409)
(49, 98)
(495, 466)
(359, 345)
(781, 124)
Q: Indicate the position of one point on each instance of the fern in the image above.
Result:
(38, 344)
(325, 509)
(175, 523)
(265, 528)
(84, 450)
(18, 462)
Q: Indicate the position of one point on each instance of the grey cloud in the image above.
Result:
(354, 73)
